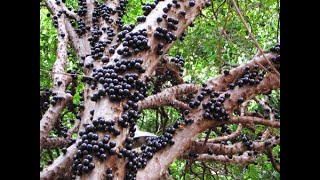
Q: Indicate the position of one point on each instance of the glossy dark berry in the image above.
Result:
(240, 100)
(192, 3)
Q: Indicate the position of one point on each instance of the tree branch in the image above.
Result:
(52, 7)
(62, 142)
(227, 137)
(223, 159)
(266, 134)
(184, 137)
(255, 41)
(273, 162)
(168, 97)
(236, 148)
(248, 92)
(253, 120)
(265, 106)
(60, 82)
(74, 39)
(180, 105)
(70, 13)
(58, 142)
(60, 166)
(90, 7)
(174, 68)
(221, 82)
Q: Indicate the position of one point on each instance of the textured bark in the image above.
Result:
(223, 159)
(180, 105)
(63, 162)
(167, 97)
(161, 161)
(227, 137)
(62, 142)
(221, 82)
(170, 66)
(58, 142)
(265, 106)
(51, 116)
(248, 92)
(236, 148)
(60, 166)
(254, 120)
(53, 8)
(185, 136)
(114, 26)
(266, 134)
(74, 39)
(88, 17)
(104, 108)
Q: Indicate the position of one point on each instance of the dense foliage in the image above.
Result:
(218, 41)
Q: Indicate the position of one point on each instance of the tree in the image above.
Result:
(125, 70)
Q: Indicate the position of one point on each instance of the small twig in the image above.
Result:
(157, 117)
(204, 170)
(57, 151)
(57, 126)
(142, 121)
(278, 26)
(266, 134)
(225, 169)
(216, 131)
(212, 169)
(50, 154)
(215, 13)
(69, 74)
(185, 171)
(207, 136)
(166, 118)
(73, 129)
(227, 137)
(265, 106)
(254, 40)
(193, 172)
(235, 45)
(274, 164)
